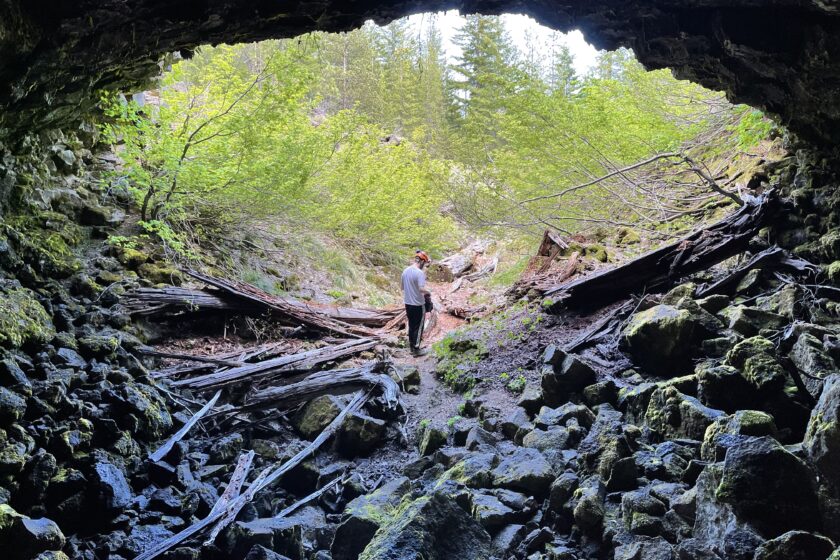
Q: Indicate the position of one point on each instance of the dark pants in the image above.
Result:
(415, 319)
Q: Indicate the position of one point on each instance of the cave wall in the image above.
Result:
(780, 55)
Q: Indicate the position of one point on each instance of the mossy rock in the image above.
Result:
(23, 319)
(160, 274)
(660, 339)
(597, 252)
(131, 258)
(833, 272)
(755, 357)
(627, 236)
(46, 242)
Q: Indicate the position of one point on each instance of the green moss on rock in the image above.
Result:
(23, 319)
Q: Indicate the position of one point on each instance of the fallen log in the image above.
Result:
(167, 446)
(266, 478)
(658, 269)
(263, 352)
(302, 361)
(160, 301)
(331, 382)
(188, 357)
(304, 315)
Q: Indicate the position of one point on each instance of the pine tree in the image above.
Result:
(485, 74)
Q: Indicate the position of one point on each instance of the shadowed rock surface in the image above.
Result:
(781, 56)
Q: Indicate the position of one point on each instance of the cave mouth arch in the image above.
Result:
(780, 57)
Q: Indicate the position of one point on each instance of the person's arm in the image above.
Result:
(422, 285)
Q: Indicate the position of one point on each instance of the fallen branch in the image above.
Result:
(313, 496)
(176, 437)
(773, 257)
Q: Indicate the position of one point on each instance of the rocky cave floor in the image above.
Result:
(681, 435)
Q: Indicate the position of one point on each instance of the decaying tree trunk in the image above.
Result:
(331, 382)
(285, 365)
(659, 269)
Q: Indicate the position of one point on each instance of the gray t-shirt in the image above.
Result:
(412, 280)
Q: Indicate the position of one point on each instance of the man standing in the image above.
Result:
(414, 294)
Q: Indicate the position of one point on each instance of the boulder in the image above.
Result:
(12, 407)
(589, 505)
(29, 537)
(769, 487)
(111, 487)
(506, 540)
(516, 424)
(555, 438)
(297, 536)
(645, 549)
(475, 470)
(525, 470)
(226, 449)
(433, 528)
(491, 512)
(673, 414)
(364, 515)
(717, 530)
(742, 423)
(810, 357)
(723, 387)
(317, 415)
(795, 545)
(750, 321)
(755, 357)
(259, 552)
(560, 415)
(432, 438)
(359, 435)
(660, 339)
(822, 437)
(563, 374)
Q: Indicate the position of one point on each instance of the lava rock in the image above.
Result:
(755, 357)
(259, 552)
(12, 407)
(769, 486)
(562, 375)
(433, 528)
(364, 515)
(742, 423)
(317, 415)
(359, 435)
(795, 545)
(432, 439)
(660, 339)
(524, 470)
(226, 449)
(673, 414)
(29, 537)
(112, 488)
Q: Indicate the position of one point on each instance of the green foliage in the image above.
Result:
(233, 143)
(456, 355)
(517, 384)
(752, 128)
(369, 139)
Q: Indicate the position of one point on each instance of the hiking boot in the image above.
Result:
(419, 351)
